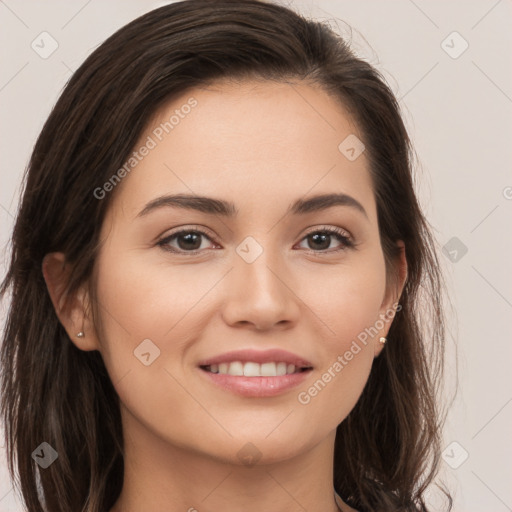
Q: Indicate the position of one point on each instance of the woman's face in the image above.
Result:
(255, 271)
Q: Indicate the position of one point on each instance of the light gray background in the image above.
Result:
(458, 111)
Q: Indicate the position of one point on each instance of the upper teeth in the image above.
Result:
(253, 369)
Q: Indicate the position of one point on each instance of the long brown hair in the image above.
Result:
(387, 449)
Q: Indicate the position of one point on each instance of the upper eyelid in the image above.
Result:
(187, 229)
(207, 232)
(330, 228)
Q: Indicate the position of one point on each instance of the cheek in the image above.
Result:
(141, 306)
(347, 301)
(139, 302)
(346, 298)
(144, 301)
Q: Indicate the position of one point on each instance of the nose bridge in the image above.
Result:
(258, 269)
(261, 276)
(257, 291)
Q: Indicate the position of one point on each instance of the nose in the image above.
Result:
(260, 295)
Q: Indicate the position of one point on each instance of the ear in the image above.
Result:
(72, 310)
(390, 303)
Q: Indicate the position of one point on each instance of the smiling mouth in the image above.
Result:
(252, 369)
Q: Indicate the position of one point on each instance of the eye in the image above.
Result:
(320, 240)
(185, 241)
(190, 241)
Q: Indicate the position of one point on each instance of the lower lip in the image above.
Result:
(257, 386)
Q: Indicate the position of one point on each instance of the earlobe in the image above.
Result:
(378, 345)
(71, 310)
(390, 304)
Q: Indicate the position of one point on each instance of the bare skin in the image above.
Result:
(261, 146)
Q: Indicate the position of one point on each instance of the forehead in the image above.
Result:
(258, 144)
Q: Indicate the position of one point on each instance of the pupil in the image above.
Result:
(190, 238)
(316, 238)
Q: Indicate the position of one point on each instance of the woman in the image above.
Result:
(215, 279)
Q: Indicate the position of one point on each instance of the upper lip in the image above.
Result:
(258, 356)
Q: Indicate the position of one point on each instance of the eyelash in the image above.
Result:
(340, 234)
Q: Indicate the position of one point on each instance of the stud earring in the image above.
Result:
(80, 334)
(383, 340)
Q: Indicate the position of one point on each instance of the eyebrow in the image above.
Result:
(213, 206)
